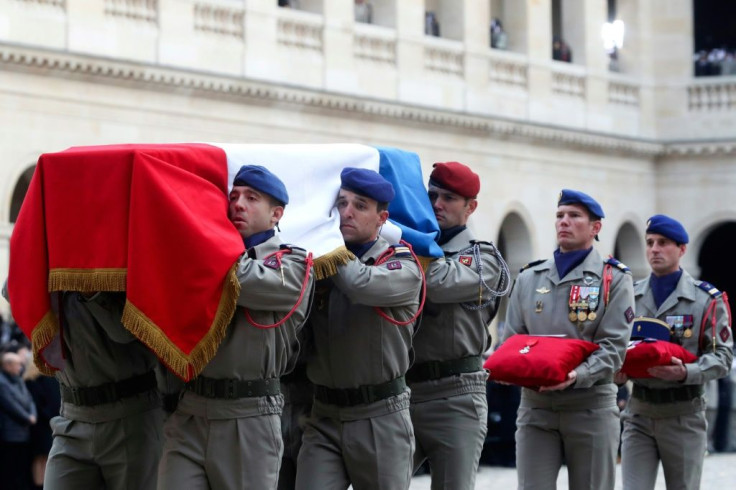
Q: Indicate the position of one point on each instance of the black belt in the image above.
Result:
(426, 371)
(361, 395)
(231, 389)
(667, 395)
(89, 396)
(298, 375)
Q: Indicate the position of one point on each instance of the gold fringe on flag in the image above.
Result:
(87, 280)
(183, 365)
(42, 336)
(326, 265)
(425, 261)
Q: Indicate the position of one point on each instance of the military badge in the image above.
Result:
(725, 334)
(271, 263)
(543, 290)
(629, 314)
(466, 260)
(393, 265)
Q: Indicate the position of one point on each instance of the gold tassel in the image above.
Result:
(425, 261)
(87, 280)
(42, 336)
(326, 265)
(183, 365)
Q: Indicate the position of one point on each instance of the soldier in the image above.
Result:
(448, 384)
(226, 431)
(360, 431)
(108, 433)
(577, 295)
(665, 417)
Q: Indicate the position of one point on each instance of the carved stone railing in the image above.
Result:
(712, 95)
(623, 92)
(300, 29)
(568, 80)
(508, 69)
(140, 10)
(61, 4)
(219, 19)
(374, 43)
(444, 56)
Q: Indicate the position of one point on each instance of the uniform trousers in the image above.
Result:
(586, 440)
(373, 453)
(230, 453)
(297, 406)
(450, 433)
(678, 441)
(120, 454)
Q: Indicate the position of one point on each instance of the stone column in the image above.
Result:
(340, 74)
(410, 50)
(539, 43)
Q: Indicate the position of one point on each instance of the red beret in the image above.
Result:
(455, 177)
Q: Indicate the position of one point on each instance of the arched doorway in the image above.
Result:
(718, 267)
(629, 249)
(19, 193)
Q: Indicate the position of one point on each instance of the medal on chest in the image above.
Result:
(583, 303)
(681, 326)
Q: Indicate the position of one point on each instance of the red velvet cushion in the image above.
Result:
(644, 354)
(531, 361)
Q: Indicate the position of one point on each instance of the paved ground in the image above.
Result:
(719, 473)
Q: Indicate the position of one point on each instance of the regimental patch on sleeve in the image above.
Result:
(629, 314)
(393, 265)
(271, 263)
(466, 260)
(725, 333)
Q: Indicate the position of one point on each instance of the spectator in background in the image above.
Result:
(17, 414)
(499, 39)
(46, 395)
(363, 11)
(294, 4)
(431, 24)
(561, 50)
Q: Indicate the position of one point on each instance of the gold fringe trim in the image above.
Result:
(87, 280)
(183, 365)
(425, 261)
(326, 265)
(42, 335)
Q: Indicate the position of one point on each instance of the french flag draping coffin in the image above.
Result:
(151, 220)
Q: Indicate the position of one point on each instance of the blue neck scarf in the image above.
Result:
(567, 261)
(449, 234)
(359, 249)
(663, 286)
(258, 238)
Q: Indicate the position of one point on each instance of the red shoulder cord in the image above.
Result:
(383, 258)
(607, 280)
(278, 254)
(710, 314)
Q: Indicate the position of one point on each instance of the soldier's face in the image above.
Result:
(252, 211)
(360, 218)
(449, 208)
(663, 254)
(575, 230)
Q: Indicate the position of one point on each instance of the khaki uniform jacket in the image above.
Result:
(100, 350)
(448, 330)
(248, 352)
(353, 345)
(610, 330)
(687, 299)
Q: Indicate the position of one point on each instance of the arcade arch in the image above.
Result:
(629, 249)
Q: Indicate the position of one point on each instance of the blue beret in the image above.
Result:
(668, 227)
(650, 328)
(367, 183)
(261, 179)
(569, 196)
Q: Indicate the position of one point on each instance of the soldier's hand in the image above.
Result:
(32, 419)
(674, 372)
(620, 378)
(572, 376)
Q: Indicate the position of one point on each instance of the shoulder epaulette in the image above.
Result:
(482, 242)
(619, 265)
(401, 250)
(291, 247)
(709, 288)
(531, 264)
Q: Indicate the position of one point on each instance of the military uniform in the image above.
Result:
(580, 423)
(360, 430)
(108, 433)
(666, 419)
(226, 431)
(449, 408)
